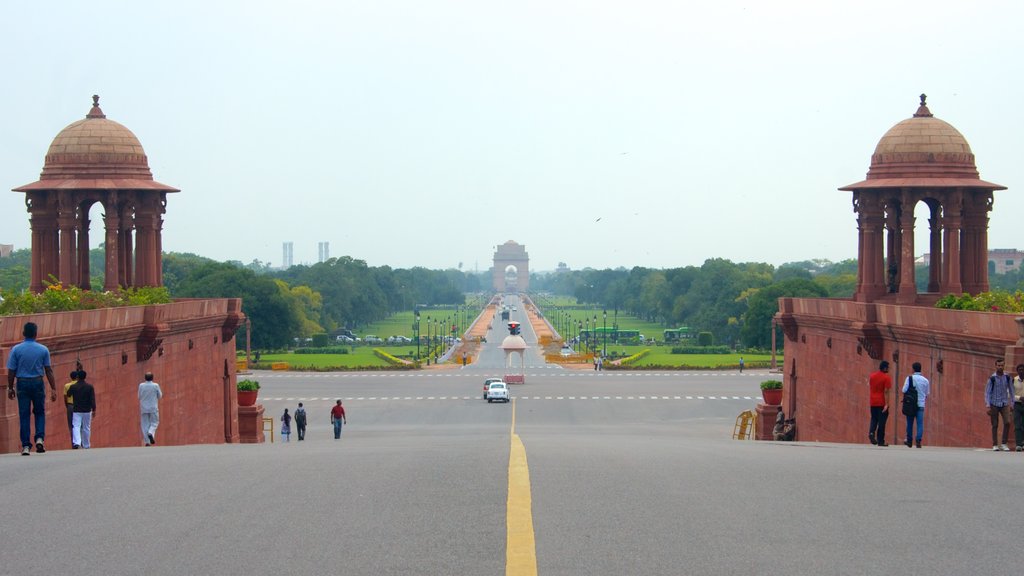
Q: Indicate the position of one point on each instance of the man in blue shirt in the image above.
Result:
(998, 401)
(27, 364)
(922, 386)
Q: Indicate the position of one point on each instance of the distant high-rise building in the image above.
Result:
(324, 251)
(6, 249)
(287, 257)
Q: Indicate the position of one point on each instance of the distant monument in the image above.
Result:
(511, 271)
(96, 160)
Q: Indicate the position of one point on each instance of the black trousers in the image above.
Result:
(878, 420)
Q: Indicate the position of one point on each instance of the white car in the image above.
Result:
(497, 391)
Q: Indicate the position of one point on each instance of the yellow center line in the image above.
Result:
(520, 547)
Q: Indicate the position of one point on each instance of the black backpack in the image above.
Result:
(909, 407)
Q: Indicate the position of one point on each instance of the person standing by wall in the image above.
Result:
(879, 384)
(27, 363)
(149, 408)
(338, 418)
(300, 421)
(921, 384)
(84, 397)
(998, 396)
(1018, 408)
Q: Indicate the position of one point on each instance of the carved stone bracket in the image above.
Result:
(789, 328)
(148, 342)
(872, 342)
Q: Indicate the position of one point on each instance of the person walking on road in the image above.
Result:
(300, 421)
(741, 367)
(69, 403)
(920, 383)
(879, 384)
(998, 397)
(149, 408)
(338, 418)
(27, 363)
(84, 398)
(286, 426)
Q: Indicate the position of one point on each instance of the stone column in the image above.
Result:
(66, 228)
(36, 222)
(84, 272)
(892, 259)
(908, 289)
(935, 259)
(127, 278)
(113, 227)
(951, 223)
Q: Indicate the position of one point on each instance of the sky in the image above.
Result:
(598, 134)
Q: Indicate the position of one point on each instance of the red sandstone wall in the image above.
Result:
(833, 345)
(188, 345)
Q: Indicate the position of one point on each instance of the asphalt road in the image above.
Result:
(631, 473)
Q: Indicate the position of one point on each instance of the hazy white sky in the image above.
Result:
(601, 134)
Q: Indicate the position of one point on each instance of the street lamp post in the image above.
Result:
(416, 329)
(593, 343)
(605, 346)
(587, 337)
(579, 330)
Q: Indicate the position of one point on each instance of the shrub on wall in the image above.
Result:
(60, 298)
(994, 301)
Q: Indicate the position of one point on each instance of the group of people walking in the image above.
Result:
(915, 390)
(1004, 400)
(29, 363)
(337, 419)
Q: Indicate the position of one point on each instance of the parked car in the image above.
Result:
(487, 384)
(497, 391)
(567, 351)
(345, 339)
(371, 339)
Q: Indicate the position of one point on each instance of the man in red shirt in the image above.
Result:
(880, 383)
(337, 418)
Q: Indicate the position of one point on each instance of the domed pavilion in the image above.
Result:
(96, 160)
(921, 159)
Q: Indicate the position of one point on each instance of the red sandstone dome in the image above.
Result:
(96, 153)
(923, 152)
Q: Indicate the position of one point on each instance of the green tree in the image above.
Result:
(764, 303)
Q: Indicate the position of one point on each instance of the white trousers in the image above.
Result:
(150, 420)
(81, 429)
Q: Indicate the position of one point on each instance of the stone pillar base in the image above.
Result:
(766, 415)
(250, 424)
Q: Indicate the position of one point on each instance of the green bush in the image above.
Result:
(994, 301)
(635, 357)
(705, 339)
(248, 385)
(701, 350)
(60, 298)
(323, 350)
(771, 385)
(320, 340)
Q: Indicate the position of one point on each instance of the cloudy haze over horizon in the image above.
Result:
(599, 134)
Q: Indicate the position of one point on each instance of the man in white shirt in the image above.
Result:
(149, 407)
(922, 386)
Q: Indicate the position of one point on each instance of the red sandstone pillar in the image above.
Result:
(112, 273)
(66, 228)
(250, 424)
(908, 288)
(766, 416)
(935, 264)
(952, 283)
(84, 280)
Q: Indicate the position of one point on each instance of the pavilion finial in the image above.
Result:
(922, 110)
(95, 112)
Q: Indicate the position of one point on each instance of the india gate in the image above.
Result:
(511, 271)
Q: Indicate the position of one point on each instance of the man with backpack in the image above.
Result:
(916, 387)
(998, 399)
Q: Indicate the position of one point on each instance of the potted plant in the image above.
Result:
(247, 391)
(771, 391)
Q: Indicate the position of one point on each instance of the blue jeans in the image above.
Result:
(920, 424)
(337, 428)
(31, 395)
